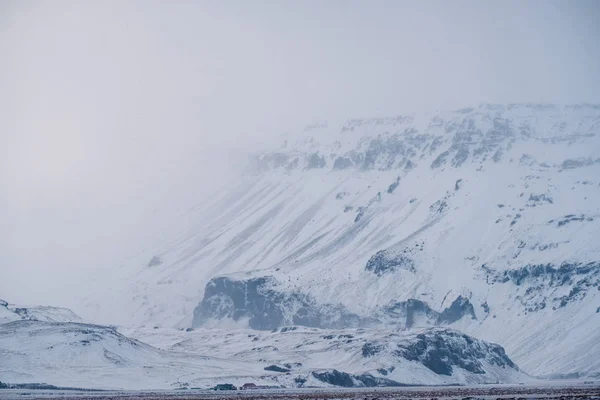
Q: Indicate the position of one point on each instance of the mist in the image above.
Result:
(117, 117)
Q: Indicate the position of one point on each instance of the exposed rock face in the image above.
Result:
(440, 160)
(575, 280)
(393, 186)
(459, 308)
(370, 349)
(342, 163)
(439, 350)
(411, 310)
(442, 350)
(385, 261)
(266, 308)
(276, 368)
(316, 161)
(572, 218)
(457, 184)
(336, 378)
(154, 261)
(343, 379)
(580, 162)
(539, 199)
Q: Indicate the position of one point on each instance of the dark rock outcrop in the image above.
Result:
(539, 199)
(369, 349)
(579, 162)
(384, 262)
(534, 280)
(441, 350)
(572, 218)
(155, 261)
(343, 379)
(459, 308)
(440, 160)
(393, 185)
(457, 184)
(266, 307)
(276, 368)
(316, 161)
(336, 378)
(409, 311)
(342, 163)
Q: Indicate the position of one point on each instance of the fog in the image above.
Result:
(117, 116)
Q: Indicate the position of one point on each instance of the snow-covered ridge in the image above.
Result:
(469, 135)
(12, 312)
(297, 356)
(92, 356)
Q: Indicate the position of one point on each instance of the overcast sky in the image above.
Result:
(117, 115)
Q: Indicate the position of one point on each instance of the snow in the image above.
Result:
(311, 349)
(92, 356)
(290, 224)
(12, 312)
(480, 191)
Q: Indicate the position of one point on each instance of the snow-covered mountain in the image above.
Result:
(485, 220)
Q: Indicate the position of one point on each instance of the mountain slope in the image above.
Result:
(482, 219)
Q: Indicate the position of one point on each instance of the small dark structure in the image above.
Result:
(225, 386)
(249, 386)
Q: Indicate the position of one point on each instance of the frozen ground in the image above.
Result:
(563, 391)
